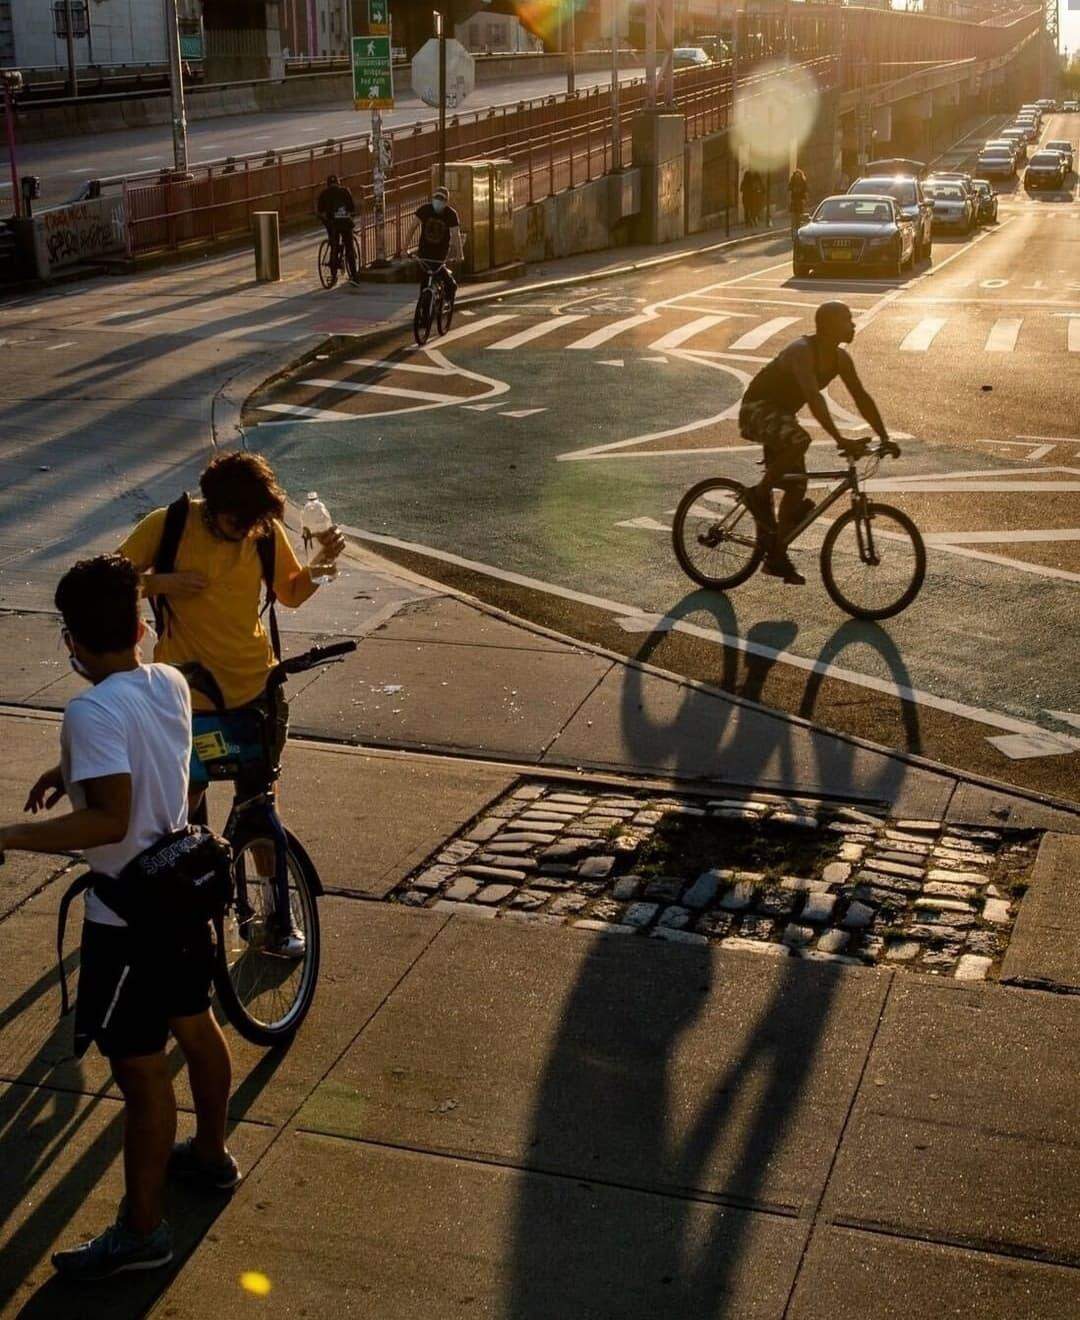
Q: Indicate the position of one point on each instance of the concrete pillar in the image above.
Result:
(659, 142)
(243, 40)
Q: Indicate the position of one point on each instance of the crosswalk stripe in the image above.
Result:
(471, 329)
(606, 332)
(1074, 334)
(924, 334)
(1004, 334)
(394, 391)
(301, 410)
(684, 332)
(755, 338)
(536, 331)
(391, 364)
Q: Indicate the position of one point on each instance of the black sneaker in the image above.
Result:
(184, 1162)
(116, 1250)
(781, 566)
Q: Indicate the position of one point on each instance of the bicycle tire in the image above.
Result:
(755, 553)
(237, 1003)
(829, 577)
(446, 313)
(422, 316)
(327, 271)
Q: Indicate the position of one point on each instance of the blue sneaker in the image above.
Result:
(114, 1251)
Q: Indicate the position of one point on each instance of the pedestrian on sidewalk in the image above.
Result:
(797, 190)
(205, 563)
(125, 745)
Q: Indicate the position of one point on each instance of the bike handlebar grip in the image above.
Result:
(891, 448)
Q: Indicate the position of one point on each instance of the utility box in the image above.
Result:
(502, 212)
(469, 185)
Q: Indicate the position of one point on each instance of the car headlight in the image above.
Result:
(883, 241)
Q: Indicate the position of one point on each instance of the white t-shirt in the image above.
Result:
(135, 723)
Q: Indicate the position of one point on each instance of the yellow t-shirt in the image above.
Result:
(220, 626)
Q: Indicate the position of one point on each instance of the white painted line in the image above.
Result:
(1003, 538)
(1057, 439)
(755, 338)
(311, 414)
(523, 412)
(144, 158)
(924, 334)
(612, 362)
(393, 391)
(610, 331)
(674, 338)
(464, 330)
(1040, 451)
(1066, 716)
(1025, 746)
(532, 332)
(662, 360)
(128, 311)
(68, 343)
(899, 485)
(1074, 334)
(1003, 335)
(391, 365)
(482, 407)
(888, 686)
(645, 524)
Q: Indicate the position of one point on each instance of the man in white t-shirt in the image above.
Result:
(125, 749)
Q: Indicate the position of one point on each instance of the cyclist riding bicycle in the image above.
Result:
(439, 230)
(794, 378)
(336, 209)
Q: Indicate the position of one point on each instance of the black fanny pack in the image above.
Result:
(177, 884)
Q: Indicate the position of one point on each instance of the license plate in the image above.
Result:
(840, 255)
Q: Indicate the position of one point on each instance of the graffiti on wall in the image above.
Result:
(78, 232)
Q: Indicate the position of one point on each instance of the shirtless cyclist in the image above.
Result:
(794, 378)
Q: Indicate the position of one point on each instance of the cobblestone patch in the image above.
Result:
(802, 879)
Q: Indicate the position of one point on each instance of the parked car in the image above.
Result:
(907, 192)
(1045, 169)
(1065, 149)
(996, 162)
(954, 206)
(1071, 107)
(855, 232)
(1019, 138)
(986, 201)
(691, 57)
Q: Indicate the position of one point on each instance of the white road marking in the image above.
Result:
(1024, 746)
(610, 331)
(68, 343)
(393, 391)
(1040, 452)
(299, 410)
(674, 338)
(532, 332)
(481, 407)
(391, 365)
(128, 311)
(645, 524)
(656, 359)
(755, 338)
(899, 691)
(1074, 334)
(523, 412)
(1057, 439)
(144, 158)
(463, 331)
(612, 362)
(1066, 716)
(924, 334)
(1003, 335)
(929, 487)
(1003, 538)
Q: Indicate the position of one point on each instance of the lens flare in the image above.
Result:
(253, 1282)
(767, 124)
(544, 17)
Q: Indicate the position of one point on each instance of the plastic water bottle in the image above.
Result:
(316, 522)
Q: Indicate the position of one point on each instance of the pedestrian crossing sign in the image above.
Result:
(373, 76)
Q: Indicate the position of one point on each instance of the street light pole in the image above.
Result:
(69, 23)
(616, 127)
(11, 82)
(571, 57)
(440, 32)
(176, 89)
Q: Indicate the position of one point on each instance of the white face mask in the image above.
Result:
(438, 205)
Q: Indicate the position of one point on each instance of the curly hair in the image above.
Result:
(99, 601)
(243, 485)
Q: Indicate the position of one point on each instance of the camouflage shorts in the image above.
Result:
(780, 435)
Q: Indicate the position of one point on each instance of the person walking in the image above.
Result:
(125, 747)
(748, 189)
(797, 190)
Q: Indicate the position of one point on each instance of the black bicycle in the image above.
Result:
(434, 306)
(332, 257)
(268, 942)
(873, 559)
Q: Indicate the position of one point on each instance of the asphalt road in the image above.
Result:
(537, 453)
(64, 164)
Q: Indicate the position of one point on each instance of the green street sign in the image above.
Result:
(373, 77)
(378, 15)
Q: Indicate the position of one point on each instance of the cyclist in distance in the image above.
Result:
(767, 416)
(337, 210)
(437, 225)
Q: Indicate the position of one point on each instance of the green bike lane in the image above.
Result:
(536, 456)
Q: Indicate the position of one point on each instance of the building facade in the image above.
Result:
(33, 33)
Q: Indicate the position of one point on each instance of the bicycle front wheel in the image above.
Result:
(425, 307)
(717, 541)
(327, 270)
(267, 961)
(873, 566)
(446, 312)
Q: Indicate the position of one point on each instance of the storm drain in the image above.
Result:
(776, 877)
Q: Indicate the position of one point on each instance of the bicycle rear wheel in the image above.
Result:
(717, 542)
(446, 312)
(425, 308)
(873, 567)
(327, 270)
(266, 994)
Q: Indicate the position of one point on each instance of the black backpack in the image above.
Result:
(165, 562)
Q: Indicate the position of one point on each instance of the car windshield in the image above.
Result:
(982, 188)
(1046, 158)
(1059, 146)
(902, 189)
(945, 192)
(857, 210)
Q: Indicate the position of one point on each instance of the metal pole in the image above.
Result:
(571, 58)
(378, 181)
(176, 90)
(669, 52)
(69, 23)
(616, 127)
(9, 121)
(440, 32)
(650, 54)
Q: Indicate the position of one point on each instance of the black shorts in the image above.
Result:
(128, 991)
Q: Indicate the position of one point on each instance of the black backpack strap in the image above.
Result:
(78, 886)
(266, 549)
(165, 559)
